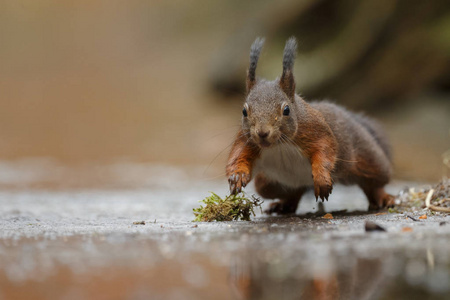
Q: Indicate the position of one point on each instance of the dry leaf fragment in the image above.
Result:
(381, 213)
(139, 223)
(423, 217)
(407, 229)
(328, 216)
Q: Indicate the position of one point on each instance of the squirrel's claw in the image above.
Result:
(238, 181)
(322, 191)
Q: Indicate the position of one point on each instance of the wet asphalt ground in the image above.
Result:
(73, 243)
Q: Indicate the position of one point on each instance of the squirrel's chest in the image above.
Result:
(285, 164)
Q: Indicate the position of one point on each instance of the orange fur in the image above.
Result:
(240, 162)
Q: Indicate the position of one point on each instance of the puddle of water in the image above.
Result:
(266, 265)
(73, 243)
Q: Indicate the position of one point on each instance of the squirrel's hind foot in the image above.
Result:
(282, 207)
(380, 199)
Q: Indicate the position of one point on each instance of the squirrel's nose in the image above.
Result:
(263, 134)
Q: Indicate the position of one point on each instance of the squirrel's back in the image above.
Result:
(356, 134)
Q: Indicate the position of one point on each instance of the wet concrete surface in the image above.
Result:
(73, 243)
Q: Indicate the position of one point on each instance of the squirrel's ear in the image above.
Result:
(255, 50)
(287, 82)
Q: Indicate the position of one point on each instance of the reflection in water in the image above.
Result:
(204, 266)
(259, 275)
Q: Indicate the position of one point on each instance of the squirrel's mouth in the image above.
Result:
(264, 144)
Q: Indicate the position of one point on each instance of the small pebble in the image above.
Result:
(371, 226)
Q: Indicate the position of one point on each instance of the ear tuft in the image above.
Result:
(287, 82)
(255, 51)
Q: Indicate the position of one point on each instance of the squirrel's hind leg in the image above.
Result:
(283, 206)
(288, 197)
(377, 196)
(373, 171)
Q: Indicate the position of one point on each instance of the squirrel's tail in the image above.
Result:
(377, 132)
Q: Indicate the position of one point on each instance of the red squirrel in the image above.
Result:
(289, 145)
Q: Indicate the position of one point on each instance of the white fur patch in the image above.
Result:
(285, 164)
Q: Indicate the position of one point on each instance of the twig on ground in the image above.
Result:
(428, 199)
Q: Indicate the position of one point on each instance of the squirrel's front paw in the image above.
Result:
(322, 190)
(238, 181)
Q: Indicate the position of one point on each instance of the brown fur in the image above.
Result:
(341, 146)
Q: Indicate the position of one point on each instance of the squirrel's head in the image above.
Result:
(269, 113)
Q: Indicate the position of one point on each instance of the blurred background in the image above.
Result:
(117, 111)
(98, 91)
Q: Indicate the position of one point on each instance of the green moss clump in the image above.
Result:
(233, 207)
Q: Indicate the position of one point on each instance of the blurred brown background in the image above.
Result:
(97, 82)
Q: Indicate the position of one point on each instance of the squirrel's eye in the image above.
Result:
(286, 110)
(244, 112)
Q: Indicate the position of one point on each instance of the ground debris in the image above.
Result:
(328, 216)
(380, 214)
(139, 223)
(371, 226)
(436, 198)
(231, 208)
(412, 218)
